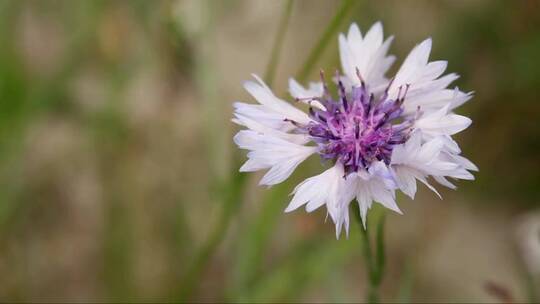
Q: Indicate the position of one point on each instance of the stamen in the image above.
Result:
(295, 123)
(342, 95)
(326, 92)
(363, 84)
(355, 130)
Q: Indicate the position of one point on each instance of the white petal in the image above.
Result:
(425, 182)
(407, 176)
(263, 115)
(267, 151)
(443, 181)
(355, 36)
(442, 123)
(373, 187)
(264, 96)
(434, 69)
(427, 89)
(348, 65)
(264, 129)
(282, 170)
(316, 89)
(450, 145)
(461, 173)
(412, 68)
(364, 199)
(328, 188)
(344, 223)
(374, 36)
(317, 190)
(384, 196)
(430, 150)
(460, 164)
(304, 95)
(443, 166)
(367, 54)
(406, 180)
(430, 100)
(252, 165)
(364, 204)
(432, 158)
(380, 172)
(467, 164)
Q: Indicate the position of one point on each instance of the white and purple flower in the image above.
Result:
(379, 134)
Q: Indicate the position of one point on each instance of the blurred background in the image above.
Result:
(118, 171)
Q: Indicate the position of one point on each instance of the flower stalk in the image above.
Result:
(345, 7)
(278, 43)
(374, 261)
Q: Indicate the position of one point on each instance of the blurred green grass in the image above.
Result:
(115, 143)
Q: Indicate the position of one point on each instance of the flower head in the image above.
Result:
(379, 135)
(358, 130)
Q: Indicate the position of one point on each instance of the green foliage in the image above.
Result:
(165, 234)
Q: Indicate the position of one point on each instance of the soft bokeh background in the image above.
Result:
(117, 163)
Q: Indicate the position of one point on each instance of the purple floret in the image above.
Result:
(356, 129)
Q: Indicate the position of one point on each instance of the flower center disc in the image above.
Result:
(357, 129)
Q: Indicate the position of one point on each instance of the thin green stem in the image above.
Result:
(405, 283)
(380, 257)
(230, 206)
(374, 261)
(254, 244)
(531, 287)
(235, 187)
(278, 43)
(234, 184)
(372, 296)
(331, 29)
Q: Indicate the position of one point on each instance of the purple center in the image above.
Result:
(356, 129)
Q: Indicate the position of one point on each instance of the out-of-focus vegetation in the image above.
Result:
(118, 174)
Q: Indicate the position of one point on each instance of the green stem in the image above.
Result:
(196, 268)
(405, 283)
(372, 296)
(278, 43)
(253, 245)
(235, 187)
(374, 261)
(316, 52)
(233, 201)
(531, 287)
(380, 258)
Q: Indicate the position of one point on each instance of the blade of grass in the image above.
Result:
(25, 96)
(255, 243)
(532, 289)
(238, 180)
(380, 253)
(309, 262)
(345, 7)
(278, 43)
(196, 267)
(207, 86)
(405, 284)
(372, 262)
(252, 247)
